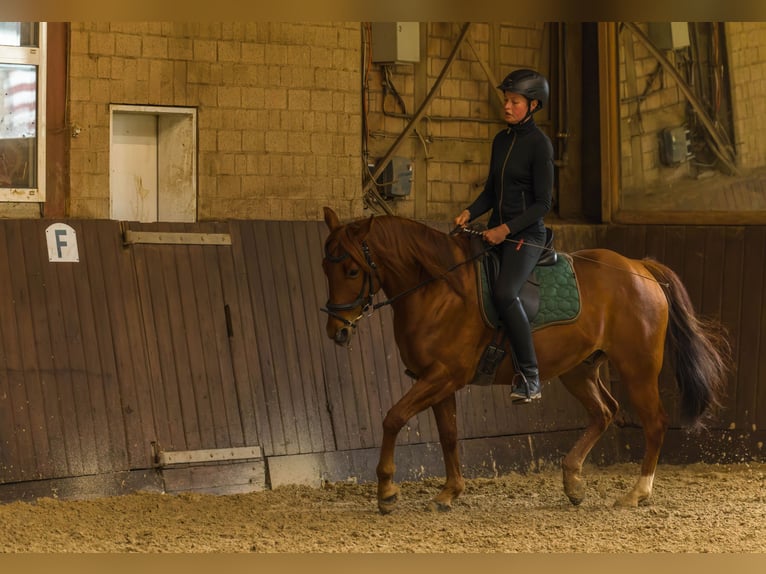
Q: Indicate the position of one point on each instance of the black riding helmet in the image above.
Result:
(529, 84)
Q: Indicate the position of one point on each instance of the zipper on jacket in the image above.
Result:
(502, 180)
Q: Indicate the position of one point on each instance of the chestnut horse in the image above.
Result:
(628, 310)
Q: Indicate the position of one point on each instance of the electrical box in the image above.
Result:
(395, 42)
(669, 35)
(675, 147)
(396, 179)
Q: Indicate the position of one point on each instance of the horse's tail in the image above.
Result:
(700, 350)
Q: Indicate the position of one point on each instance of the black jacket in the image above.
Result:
(519, 188)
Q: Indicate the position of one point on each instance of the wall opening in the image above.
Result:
(153, 165)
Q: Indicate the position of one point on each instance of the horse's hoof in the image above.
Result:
(436, 506)
(387, 505)
(626, 502)
(576, 500)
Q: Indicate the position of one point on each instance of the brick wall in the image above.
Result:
(746, 43)
(650, 101)
(663, 105)
(451, 145)
(278, 111)
(280, 114)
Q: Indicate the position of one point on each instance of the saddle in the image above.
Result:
(530, 291)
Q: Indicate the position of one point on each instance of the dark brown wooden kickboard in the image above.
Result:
(74, 333)
(269, 327)
(258, 353)
(84, 487)
(288, 277)
(752, 328)
(242, 344)
(129, 351)
(221, 381)
(17, 458)
(335, 371)
(113, 431)
(59, 314)
(309, 330)
(34, 387)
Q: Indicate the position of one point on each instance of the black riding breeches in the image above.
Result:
(517, 261)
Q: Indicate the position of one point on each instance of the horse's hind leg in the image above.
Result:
(445, 413)
(644, 396)
(585, 384)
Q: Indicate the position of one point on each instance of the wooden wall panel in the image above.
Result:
(202, 346)
(311, 280)
(18, 458)
(751, 341)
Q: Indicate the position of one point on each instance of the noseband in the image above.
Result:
(364, 301)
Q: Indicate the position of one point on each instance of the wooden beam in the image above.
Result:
(610, 139)
(170, 238)
(169, 458)
(488, 72)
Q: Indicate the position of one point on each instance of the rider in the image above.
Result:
(519, 191)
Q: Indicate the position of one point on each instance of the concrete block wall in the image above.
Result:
(650, 101)
(746, 44)
(278, 111)
(665, 106)
(450, 147)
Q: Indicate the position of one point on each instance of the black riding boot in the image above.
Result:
(520, 336)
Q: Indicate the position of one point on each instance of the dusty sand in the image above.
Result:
(695, 508)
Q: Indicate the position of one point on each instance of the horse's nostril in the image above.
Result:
(341, 336)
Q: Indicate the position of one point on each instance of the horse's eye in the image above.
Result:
(353, 273)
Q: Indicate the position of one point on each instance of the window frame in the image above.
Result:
(31, 56)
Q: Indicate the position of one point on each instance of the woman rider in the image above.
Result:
(519, 192)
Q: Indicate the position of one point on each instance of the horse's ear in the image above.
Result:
(331, 218)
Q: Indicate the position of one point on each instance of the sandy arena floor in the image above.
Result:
(697, 508)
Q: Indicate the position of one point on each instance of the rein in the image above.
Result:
(520, 242)
(333, 308)
(450, 269)
(366, 301)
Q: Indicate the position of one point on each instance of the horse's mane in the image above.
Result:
(402, 241)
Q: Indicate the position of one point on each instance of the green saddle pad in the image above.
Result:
(559, 294)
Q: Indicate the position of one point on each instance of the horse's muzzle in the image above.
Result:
(341, 335)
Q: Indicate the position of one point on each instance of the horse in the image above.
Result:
(441, 336)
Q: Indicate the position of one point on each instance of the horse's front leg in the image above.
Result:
(445, 413)
(388, 491)
(431, 388)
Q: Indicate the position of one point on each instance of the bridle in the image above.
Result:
(363, 301)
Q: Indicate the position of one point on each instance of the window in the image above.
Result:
(22, 111)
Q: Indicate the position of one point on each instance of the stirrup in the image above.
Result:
(523, 394)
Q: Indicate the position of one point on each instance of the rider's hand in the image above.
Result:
(462, 219)
(496, 235)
